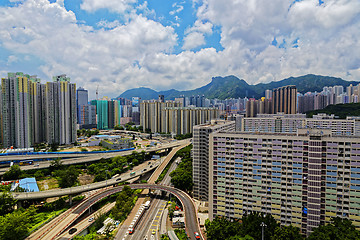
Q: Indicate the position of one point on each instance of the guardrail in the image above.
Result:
(64, 153)
(79, 189)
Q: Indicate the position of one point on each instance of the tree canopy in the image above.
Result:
(124, 204)
(287, 232)
(338, 229)
(15, 225)
(249, 228)
(7, 203)
(13, 173)
(181, 177)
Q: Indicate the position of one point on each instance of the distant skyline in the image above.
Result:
(123, 44)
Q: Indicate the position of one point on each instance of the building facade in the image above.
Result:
(181, 120)
(152, 114)
(200, 154)
(284, 99)
(61, 111)
(16, 111)
(32, 112)
(289, 123)
(302, 179)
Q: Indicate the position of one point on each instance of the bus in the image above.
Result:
(26, 162)
(147, 204)
(132, 173)
(137, 218)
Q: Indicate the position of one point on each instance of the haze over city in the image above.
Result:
(120, 45)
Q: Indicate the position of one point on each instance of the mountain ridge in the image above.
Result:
(233, 87)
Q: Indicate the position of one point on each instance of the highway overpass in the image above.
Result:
(80, 158)
(83, 188)
(61, 224)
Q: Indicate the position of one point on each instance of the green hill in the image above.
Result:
(233, 87)
(340, 110)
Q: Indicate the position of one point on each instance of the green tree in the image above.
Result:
(164, 237)
(124, 204)
(67, 177)
(337, 229)
(13, 173)
(251, 225)
(7, 203)
(181, 177)
(221, 228)
(237, 237)
(56, 164)
(287, 232)
(54, 147)
(15, 225)
(118, 127)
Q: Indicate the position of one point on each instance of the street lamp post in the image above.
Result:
(262, 225)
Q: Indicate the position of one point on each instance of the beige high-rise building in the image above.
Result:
(153, 116)
(171, 117)
(284, 99)
(181, 120)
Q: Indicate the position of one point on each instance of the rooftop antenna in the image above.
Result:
(97, 92)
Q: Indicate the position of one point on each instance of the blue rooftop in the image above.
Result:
(29, 184)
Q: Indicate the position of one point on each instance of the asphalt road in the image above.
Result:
(84, 188)
(152, 217)
(80, 158)
(62, 224)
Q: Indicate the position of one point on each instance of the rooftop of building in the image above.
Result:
(214, 122)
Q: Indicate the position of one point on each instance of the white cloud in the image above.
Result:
(195, 35)
(193, 40)
(11, 59)
(139, 52)
(327, 37)
(179, 9)
(79, 50)
(202, 27)
(119, 6)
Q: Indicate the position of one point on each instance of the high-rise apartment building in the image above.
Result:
(38, 108)
(16, 111)
(289, 123)
(82, 96)
(268, 94)
(32, 112)
(303, 179)
(152, 114)
(181, 120)
(108, 112)
(201, 155)
(284, 100)
(86, 113)
(61, 114)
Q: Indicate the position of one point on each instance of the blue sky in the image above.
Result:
(122, 44)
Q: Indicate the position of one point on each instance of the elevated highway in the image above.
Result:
(59, 225)
(81, 189)
(80, 158)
